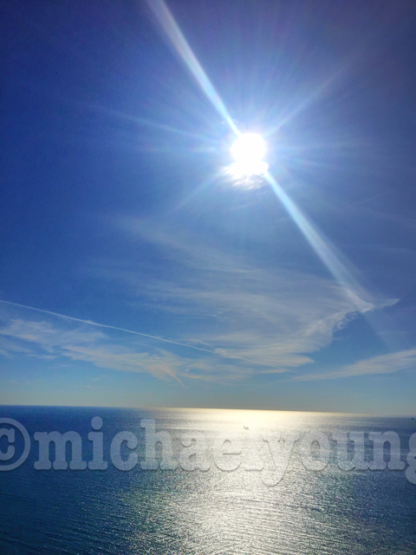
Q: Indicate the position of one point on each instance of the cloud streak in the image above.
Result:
(382, 364)
(46, 340)
(240, 320)
(273, 316)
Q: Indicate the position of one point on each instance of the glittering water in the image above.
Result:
(205, 513)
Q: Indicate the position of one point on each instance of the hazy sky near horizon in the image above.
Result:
(134, 271)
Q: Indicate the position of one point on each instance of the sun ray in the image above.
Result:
(323, 248)
(172, 30)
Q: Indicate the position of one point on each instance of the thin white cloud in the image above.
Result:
(239, 319)
(276, 317)
(49, 340)
(382, 364)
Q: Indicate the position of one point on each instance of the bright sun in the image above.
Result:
(248, 152)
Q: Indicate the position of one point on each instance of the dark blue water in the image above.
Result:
(203, 512)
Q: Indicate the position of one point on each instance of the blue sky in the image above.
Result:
(135, 271)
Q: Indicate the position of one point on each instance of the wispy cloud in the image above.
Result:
(46, 339)
(53, 340)
(382, 364)
(273, 316)
(240, 319)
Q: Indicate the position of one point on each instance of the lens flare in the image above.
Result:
(249, 168)
(179, 42)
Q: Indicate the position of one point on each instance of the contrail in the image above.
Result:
(106, 326)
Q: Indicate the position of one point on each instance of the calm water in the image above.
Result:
(205, 513)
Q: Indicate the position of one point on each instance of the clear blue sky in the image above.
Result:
(117, 214)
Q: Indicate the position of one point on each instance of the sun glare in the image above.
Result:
(248, 152)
